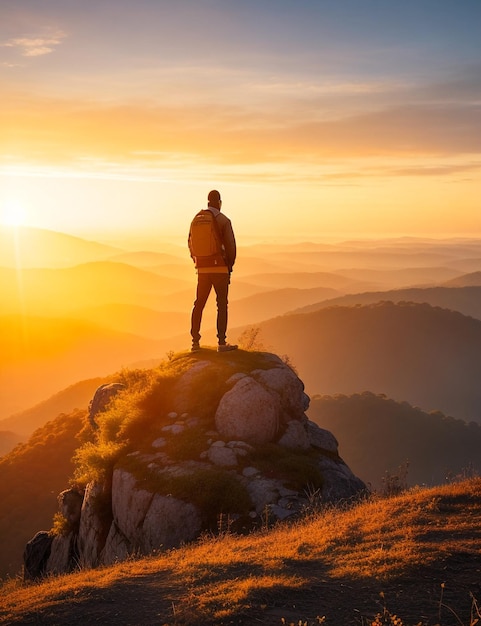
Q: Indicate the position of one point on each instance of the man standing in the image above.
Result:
(212, 246)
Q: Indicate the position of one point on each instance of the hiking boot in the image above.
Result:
(226, 347)
(195, 346)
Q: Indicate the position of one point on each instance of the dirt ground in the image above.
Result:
(415, 597)
(444, 589)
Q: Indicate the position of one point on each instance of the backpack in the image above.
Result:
(205, 240)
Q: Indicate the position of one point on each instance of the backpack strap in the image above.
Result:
(217, 231)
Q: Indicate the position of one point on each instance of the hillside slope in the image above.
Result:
(76, 396)
(430, 357)
(31, 477)
(433, 445)
(42, 355)
(419, 550)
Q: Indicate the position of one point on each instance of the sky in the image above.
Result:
(313, 118)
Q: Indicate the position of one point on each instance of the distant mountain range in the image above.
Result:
(8, 440)
(473, 279)
(76, 396)
(466, 300)
(42, 355)
(428, 356)
(34, 247)
(378, 436)
(59, 291)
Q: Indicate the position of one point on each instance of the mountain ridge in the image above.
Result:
(426, 355)
(465, 300)
(37, 247)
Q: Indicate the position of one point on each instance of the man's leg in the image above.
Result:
(204, 285)
(221, 286)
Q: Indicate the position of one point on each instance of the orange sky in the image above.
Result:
(313, 120)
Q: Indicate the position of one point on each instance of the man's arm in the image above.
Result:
(229, 243)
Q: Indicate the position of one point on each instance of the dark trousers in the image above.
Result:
(205, 282)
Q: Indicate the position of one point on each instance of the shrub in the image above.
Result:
(186, 445)
(250, 339)
(61, 526)
(296, 466)
(95, 461)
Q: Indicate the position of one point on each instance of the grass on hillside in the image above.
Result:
(406, 560)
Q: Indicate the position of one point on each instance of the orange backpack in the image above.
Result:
(205, 240)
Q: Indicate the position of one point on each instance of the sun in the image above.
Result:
(12, 213)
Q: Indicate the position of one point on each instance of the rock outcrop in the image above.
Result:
(101, 400)
(232, 441)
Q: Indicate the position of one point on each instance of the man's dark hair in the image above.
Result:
(214, 198)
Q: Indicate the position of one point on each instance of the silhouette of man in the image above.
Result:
(215, 274)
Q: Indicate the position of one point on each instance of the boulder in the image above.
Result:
(130, 504)
(185, 388)
(321, 438)
(36, 554)
(222, 456)
(248, 412)
(263, 491)
(339, 483)
(169, 522)
(64, 554)
(95, 520)
(116, 548)
(70, 505)
(290, 389)
(295, 436)
(101, 399)
(145, 521)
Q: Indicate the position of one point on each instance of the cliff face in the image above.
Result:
(223, 442)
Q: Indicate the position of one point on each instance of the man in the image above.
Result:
(213, 270)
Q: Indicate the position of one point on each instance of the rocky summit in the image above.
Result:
(206, 441)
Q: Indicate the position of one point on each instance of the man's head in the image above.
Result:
(213, 199)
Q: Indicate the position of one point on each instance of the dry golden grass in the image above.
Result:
(333, 563)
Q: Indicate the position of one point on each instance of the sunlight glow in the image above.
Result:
(13, 214)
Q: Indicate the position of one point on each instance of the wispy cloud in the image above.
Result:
(34, 46)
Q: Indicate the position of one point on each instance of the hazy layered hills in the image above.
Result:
(47, 291)
(386, 254)
(467, 280)
(146, 322)
(42, 355)
(60, 292)
(378, 435)
(466, 300)
(428, 356)
(34, 247)
(76, 396)
(303, 280)
(382, 279)
(8, 440)
(137, 320)
(105, 307)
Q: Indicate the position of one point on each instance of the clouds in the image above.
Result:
(36, 45)
(436, 139)
(271, 91)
